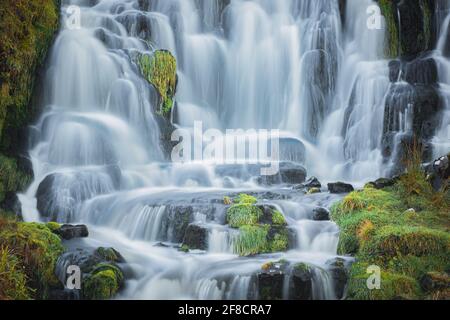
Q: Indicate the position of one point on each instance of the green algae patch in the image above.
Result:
(160, 70)
(35, 249)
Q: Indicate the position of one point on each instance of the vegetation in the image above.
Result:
(256, 236)
(403, 229)
(28, 254)
(160, 69)
(388, 10)
(11, 178)
(103, 282)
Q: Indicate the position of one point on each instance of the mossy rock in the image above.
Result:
(103, 283)
(160, 70)
(109, 254)
(37, 249)
(243, 214)
(28, 28)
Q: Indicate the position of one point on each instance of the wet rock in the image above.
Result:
(11, 203)
(68, 231)
(270, 281)
(439, 172)
(196, 237)
(300, 285)
(383, 183)
(321, 214)
(289, 173)
(340, 187)
(102, 277)
(419, 71)
(312, 182)
(339, 273)
(176, 222)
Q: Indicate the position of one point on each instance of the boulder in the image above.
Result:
(68, 231)
(196, 237)
(340, 187)
(300, 285)
(439, 172)
(270, 281)
(312, 182)
(339, 273)
(321, 214)
(383, 183)
(289, 173)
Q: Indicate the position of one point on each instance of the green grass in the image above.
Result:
(36, 249)
(13, 280)
(378, 228)
(160, 69)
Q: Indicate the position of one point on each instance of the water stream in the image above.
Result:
(259, 64)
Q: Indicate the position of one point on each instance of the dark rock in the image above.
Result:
(289, 173)
(300, 285)
(270, 281)
(68, 232)
(433, 281)
(383, 183)
(11, 203)
(340, 187)
(439, 172)
(321, 214)
(175, 223)
(312, 182)
(419, 71)
(339, 274)
(109, 255)
(196, 237)
(65, 294)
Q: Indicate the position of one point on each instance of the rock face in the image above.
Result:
(196, 237)
(340, 187)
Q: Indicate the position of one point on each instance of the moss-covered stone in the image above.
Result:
(103, 283)
(12, 178)
(379, 228)
(37, 250)
(160, 70)
(262, 228)
(27, 30)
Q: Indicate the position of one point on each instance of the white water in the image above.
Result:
(258, 64)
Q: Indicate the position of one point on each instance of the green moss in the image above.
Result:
(393, 286)
(27, 28)
(392, 45)
(245, 199)
(53, 226)
(313, 191)
(160, 69)
(37, 249)
(11, 178)
(280, 242)
(13, 280)
(378, 229)
(252, 240)
(103, 283)
(278, 218)
(109, 254)
(303, 267)
(243, 214)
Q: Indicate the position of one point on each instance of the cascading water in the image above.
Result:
(258, 64)
(441, 141)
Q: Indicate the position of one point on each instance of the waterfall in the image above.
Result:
(290, 65)
(441, 141)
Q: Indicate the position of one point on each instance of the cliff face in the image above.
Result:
(27, 31)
